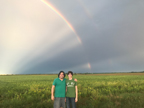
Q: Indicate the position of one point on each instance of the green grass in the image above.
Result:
(34, 91)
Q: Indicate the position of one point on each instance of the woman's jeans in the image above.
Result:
(71, 101)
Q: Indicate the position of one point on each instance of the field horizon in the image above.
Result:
(87, 73)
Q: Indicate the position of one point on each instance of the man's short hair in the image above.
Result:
(61, 72)
(70, 72)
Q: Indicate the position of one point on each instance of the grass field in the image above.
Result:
(95, 91)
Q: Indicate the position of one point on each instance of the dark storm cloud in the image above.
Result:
(69, 58)
(118, 34)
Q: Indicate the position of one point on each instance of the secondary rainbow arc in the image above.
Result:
(66, 21)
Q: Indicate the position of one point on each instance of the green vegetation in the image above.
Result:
(95, 91)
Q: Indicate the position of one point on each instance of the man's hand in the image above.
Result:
(76, 99)
(52, 92)
(75, 80)
(52, 98)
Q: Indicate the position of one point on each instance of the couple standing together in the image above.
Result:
(64, 90)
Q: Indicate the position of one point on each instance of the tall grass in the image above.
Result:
(34, 91)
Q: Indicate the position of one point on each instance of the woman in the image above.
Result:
(71, 91)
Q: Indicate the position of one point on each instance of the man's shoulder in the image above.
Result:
(56, 79)
(65, 79)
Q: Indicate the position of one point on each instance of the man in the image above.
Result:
(59, 85)
(71, 91)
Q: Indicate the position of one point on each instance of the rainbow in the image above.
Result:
(58, 13)
(66, 21)
(89, 65)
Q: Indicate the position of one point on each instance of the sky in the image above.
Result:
(47, 36)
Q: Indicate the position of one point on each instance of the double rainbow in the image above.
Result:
(66, 21)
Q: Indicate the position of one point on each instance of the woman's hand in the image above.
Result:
(76, 99)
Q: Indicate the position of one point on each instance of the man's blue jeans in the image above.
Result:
(59, 102)
(71, 101)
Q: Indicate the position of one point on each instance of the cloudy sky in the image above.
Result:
(46, 36)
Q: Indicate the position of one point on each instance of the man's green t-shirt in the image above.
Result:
(60, 87)
(70, 88)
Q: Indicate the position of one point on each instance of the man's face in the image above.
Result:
(70, 75)
(61, 76)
